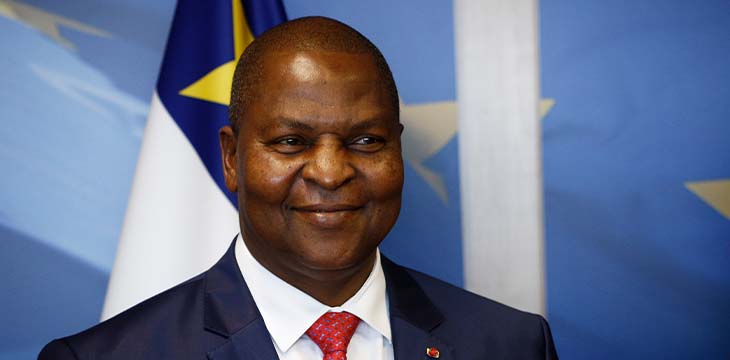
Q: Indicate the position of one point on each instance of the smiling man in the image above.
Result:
(313, 152)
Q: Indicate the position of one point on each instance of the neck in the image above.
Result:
(332, 287)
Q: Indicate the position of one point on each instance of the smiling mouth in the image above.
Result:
(326, 208)
(328, 216)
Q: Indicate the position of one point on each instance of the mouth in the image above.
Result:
(327, 216)
(326, 208)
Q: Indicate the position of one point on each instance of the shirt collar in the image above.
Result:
(288, 312)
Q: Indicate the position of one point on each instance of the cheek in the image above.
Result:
(265, 177)
(384, 177)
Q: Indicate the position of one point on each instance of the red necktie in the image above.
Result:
(332, 333)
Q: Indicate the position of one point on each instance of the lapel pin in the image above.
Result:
(433, 352)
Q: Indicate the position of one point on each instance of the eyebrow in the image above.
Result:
(291, 123)
(299, 125)
(367, 124)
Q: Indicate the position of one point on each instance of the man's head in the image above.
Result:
(314, 153)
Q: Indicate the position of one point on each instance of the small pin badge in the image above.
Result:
(433, 352)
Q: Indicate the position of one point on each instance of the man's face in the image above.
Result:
(316, 163)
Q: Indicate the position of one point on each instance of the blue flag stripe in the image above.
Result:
(263, 15)
(200, 40)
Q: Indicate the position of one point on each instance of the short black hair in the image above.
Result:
(303, 34)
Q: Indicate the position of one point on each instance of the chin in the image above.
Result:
(330, 259)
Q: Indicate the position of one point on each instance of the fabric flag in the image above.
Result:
(180, 217)
(637, 178)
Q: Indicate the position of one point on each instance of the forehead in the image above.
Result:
(320, 85)
(293, 71)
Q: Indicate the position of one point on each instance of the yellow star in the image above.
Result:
(715, 193)
(545, 106)
(429, 127)
(46, 22)
(216, 85)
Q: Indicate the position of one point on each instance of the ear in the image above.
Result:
(228, 141)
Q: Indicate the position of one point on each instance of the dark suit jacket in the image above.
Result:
(214, 315)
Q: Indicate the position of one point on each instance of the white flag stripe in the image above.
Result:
(499, 150)
(170, 233)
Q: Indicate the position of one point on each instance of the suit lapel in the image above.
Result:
(410, 342)
(413, 317)
(230, 312)
(250, 343)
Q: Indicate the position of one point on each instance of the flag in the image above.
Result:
(637, 178)
(180, 218)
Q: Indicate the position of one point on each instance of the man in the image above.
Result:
(313, 153)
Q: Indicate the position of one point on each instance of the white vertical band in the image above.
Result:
(499, 150)
(178, 222)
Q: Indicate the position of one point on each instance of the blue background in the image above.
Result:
(72, 121)
(638, 267)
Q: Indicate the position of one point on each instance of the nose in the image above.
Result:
(328, 166)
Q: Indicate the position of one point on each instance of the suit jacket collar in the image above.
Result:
(230, 311)
(413, 317)
(407, 300)
(229, 306)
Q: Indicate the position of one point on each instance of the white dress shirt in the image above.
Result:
(288, 312)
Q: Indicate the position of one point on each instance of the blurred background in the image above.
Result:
(635, 157)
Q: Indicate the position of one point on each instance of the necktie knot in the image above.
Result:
(332, 333)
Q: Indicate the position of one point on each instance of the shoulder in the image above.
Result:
(483, 325)
(134, 330)
(455, 301)
(58, 350)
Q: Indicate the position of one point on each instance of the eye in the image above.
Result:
(368, 143)
(291, 141)
(289, 145)
(366, 140)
